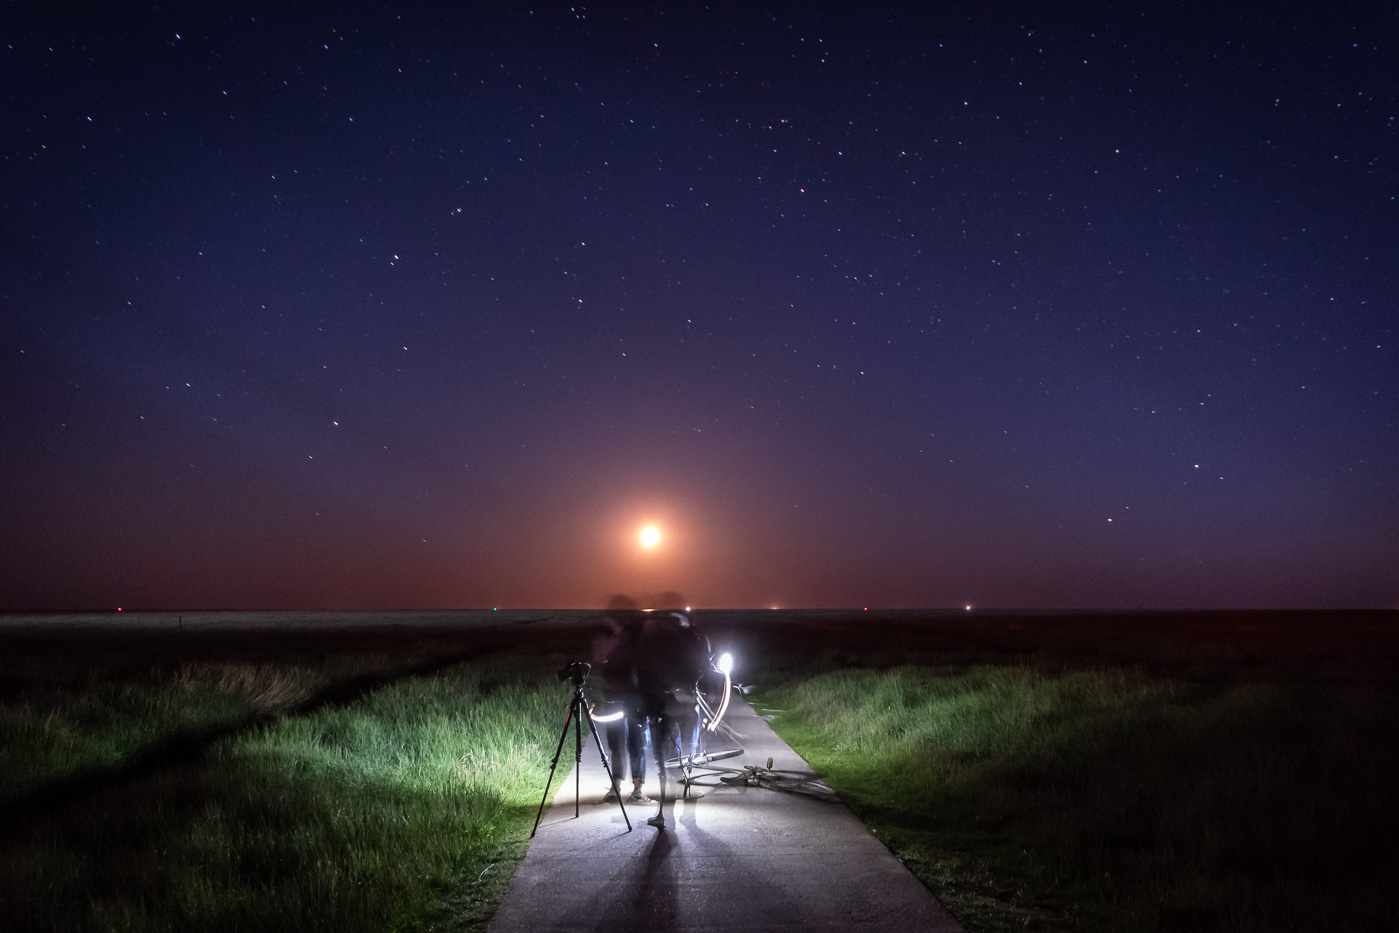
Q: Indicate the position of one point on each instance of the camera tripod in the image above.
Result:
(577, 713)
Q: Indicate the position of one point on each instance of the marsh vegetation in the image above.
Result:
(366, 790)
(1243, 783)
(1094, 772)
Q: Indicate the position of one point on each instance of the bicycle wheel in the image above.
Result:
(806, 783)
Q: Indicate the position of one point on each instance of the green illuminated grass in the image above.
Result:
(1029, 797)
(399, 810)
(93, 722)
(1065, 774)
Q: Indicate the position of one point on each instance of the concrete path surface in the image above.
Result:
(737, 859)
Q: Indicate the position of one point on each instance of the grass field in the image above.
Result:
(1244, 784)
(63, 728)
(293, 803)
(1087, 772)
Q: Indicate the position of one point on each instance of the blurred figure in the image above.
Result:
(668, 659)
(613, 650)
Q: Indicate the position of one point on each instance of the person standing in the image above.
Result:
(612, 656)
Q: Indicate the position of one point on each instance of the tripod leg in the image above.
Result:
(579, 709)
(606, 764)
(553, 765)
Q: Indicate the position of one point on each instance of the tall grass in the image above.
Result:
(371, 816)
(97, 722)
(1117, 799)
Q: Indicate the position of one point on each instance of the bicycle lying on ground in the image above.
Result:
(807, 783)
(698, 768)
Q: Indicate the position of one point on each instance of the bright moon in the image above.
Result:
(650, 536)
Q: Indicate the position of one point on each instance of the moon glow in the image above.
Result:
(650, 536)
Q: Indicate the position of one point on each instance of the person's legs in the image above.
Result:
(636, 758)
(661, 741)
(616, 733)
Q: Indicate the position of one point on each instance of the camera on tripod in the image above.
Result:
(576, 671)
(578, 713)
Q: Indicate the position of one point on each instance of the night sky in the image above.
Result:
(373, 305)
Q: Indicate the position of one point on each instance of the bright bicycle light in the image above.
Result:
(723, 666)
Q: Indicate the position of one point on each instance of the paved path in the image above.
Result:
(738, 859)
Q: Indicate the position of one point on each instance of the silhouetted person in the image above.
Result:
(669, 658)
(612, 652)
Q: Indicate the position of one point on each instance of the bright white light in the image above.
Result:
(969, 607)
(726, 663)
(650, 536)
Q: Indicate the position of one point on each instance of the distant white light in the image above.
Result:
(650, 536)
(969, 607)
(726, 663)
